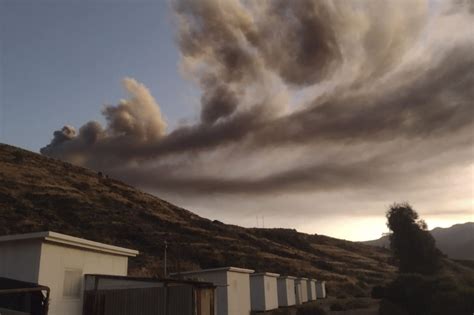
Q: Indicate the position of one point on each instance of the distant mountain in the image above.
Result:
(457, 241)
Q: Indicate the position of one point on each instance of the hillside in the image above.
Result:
(39, 193)
(457, 241)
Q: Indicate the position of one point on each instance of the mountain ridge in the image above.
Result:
(456, 241)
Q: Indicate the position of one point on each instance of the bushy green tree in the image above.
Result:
(412, 245)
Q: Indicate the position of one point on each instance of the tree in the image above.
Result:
(413, 246)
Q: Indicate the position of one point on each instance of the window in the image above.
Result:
(72, 283)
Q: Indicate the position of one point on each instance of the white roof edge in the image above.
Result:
(301, 278)
(54, 237)
(233, 269)
(288, 277)
(268, 274)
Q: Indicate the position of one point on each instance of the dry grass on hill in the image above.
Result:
(39, 193)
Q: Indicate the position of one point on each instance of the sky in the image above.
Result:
(314, 115)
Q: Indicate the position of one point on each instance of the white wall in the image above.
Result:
(311, 290)
(257, 293)
(20, 260)
(298, 297)
(271, 293)
(56, 260)
(304, 290)
(238, 293)
(286, 292)
(264, 294)
(321, 289)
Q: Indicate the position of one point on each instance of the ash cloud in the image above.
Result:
(321, 95)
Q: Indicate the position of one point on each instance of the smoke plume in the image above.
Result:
(298, 96)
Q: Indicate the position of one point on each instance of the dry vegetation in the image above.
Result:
(38, 193)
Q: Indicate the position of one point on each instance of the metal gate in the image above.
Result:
(19, 297)
(114, 295)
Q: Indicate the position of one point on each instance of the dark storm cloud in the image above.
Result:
(217, 102)
(372, 75)
(326, 177)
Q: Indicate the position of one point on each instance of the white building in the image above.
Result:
(59, 261)
(303, 290)
(263, 291)
(321, 289)
(298, 293)
(286, 291)
(311, 289)
(233, 288)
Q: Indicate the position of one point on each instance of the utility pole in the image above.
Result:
(166, 247)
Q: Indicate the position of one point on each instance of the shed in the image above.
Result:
(298, 293)
(321, 289)
(117, 295)
(233, 288)
(303, 290)
(286, 291)
(311, 289)
(59, 261)
(263, 291)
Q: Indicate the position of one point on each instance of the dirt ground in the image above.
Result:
(373, 307)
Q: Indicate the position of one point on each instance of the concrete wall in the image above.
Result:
(321, 289)
(304, 290)
(264, 294)
(257, 293)
(238, 293)
(271, 293)
(286, 291)
(20, 264)
(298, 298)
(62, 269)
(311, 290)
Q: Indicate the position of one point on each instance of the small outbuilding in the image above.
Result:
(59, 262)
(233, 288)
(311, 289)
(264, 291)
(298, 293)
(113, 295)
(321, 289)
(286, 291)
(303, 290)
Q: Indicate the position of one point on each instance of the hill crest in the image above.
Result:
(38, 193)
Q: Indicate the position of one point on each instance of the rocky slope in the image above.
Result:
(39, 193)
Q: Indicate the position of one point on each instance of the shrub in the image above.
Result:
(422, 295)
(337, 307)
(351, 304)
(310, 309)
(389, 308)
(354, 304)
(378, 292)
